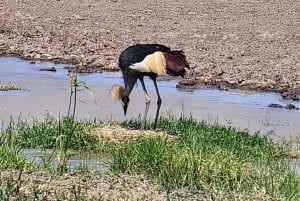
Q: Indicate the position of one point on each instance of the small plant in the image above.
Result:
(67, 132)
(47, 161)
(10, 159)
(9, 153)
(11, 86)
(63, 140)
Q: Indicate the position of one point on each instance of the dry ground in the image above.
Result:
(245, 44)
(91, 186)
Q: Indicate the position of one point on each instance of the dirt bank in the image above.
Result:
(247, 44)
(92, 186)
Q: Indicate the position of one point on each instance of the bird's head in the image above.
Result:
(125, 102)
(117, 93)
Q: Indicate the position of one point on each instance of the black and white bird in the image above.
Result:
(151, 60)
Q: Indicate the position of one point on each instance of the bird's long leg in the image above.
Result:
(158, 101)
(147, 103)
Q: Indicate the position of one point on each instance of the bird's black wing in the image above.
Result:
(137, 53)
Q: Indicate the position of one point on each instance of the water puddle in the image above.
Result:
(49, 92)
(45, 158)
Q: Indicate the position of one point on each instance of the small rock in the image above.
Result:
(187, 82)
(275, 105)
(37, 56)
(52, 69)
(220, 72)
(288, 106)
(291, 107)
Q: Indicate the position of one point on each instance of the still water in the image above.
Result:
(48, 92)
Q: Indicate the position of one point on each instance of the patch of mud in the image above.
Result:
(230, 44)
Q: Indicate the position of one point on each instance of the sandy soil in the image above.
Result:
(92, 186)
(246, 44)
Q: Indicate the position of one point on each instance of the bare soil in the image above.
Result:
(91, 186)
(244, 44)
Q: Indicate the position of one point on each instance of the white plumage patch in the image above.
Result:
(155, 63)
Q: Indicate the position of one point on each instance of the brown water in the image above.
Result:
(48, 92)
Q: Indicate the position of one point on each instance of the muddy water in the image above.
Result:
(48, 92)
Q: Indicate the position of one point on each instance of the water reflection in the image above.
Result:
(43, 158)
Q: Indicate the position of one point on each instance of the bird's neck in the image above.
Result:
(127, 91)
(129, 84)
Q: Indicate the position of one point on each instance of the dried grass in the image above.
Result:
(117, 134)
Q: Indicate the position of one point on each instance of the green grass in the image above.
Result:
(65, 136)
(45, 134)
(210, 157)
(10, 154)
(203, 158)
(10, 159)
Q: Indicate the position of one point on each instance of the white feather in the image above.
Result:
(140, 66)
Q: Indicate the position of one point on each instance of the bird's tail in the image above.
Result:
(116, 92)
(176, 63)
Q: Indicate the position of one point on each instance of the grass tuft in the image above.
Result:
(44, 134)
(10, 86)
(210, 157)
(10, 159)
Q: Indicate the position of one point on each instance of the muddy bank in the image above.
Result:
(229, 44)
